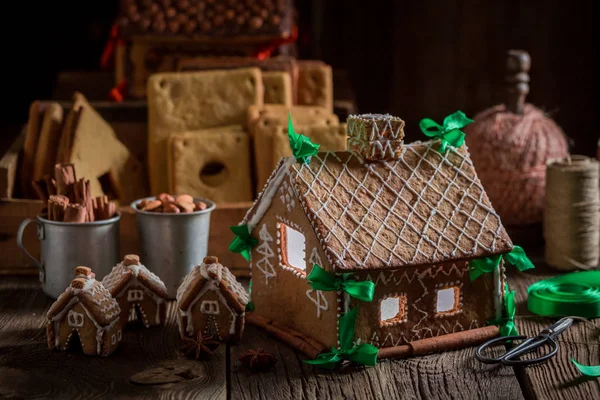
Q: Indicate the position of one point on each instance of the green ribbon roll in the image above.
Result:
(573, 294)
(302, 148)
(450, 133)
(319, 279)
(364, 353)
(243, 242)
(516, 257)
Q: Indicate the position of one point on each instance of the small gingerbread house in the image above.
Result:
(406, 217)
(212, 302)
(140, 293)
(85, 311)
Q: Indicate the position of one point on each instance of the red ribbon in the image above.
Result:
(109, 48)
(117, 93)
(265, 52)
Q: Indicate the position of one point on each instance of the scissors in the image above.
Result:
(511, 357)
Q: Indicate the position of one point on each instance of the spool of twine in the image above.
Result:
(510, 152)
(572, 213)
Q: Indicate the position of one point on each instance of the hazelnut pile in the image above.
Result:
(166, 203)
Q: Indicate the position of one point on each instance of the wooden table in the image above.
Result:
(29, 370)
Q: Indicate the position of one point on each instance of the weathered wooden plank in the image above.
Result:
(28, 369)
(556, 378)
(451, 375)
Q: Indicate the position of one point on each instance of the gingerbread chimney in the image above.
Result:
(375, 137)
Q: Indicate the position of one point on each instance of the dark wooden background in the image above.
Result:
(412, 58)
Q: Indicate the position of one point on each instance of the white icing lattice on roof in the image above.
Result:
(422, 208)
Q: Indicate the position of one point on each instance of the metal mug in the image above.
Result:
(66, 245)
(173, 243)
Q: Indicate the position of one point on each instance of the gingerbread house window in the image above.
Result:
(392, 310)
(75, 319)
(448, 301)
(292, 247)
(135, 295)
(209, 307)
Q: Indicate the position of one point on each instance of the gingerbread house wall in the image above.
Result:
(77, 319)
(219, 317)
(420, 302)
(280, 292)
(151, 308)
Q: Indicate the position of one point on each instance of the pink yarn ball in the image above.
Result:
(509, 152)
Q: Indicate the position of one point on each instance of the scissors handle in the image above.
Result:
(511, 357)
(489, 360)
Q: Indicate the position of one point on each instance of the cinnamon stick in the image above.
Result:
(103, 208)
(50, 185)
(75, 213)
(451, 341)
(57, 205)
(83, 196)
(64, 174)
(299, 342)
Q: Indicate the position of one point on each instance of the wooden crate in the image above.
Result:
(129, 120)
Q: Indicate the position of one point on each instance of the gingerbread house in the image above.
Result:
(211, 302)
(406, 217)
(140, 293)
(85, 312)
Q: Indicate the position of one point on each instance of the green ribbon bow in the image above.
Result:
(319, 279)
(302, 148)
(516, 257)
(364, 353)
(243, 242)
(507, 327)
(450, 133)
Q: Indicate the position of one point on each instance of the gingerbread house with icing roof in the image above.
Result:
(403, 216)
(140, 293)
(210, 301)
(86, 312)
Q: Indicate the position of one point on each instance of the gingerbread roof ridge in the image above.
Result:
(225, 281)
(97, 300)
(423, 208)
(121, 274)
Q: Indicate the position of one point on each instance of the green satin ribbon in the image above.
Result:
(507, 327)
(450, 133)
(573, 294)
(250, 305)
(364, 353)
(319, 279)
(302, 147)
(243, 242)
(516, 257)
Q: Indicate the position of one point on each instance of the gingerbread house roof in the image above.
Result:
(92, 294)
(211, 272)
(122, 274)
(422, 208)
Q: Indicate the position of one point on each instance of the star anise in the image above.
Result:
(199, 346)
(257, 360)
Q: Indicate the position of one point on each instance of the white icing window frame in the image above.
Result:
(75, 319)
(135, 295)
(401, 317)
(458, 299)
(209, 307)
(282, 253)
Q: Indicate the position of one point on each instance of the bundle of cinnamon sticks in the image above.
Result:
(70, 200)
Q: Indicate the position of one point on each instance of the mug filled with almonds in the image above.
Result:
(74, 228)
(173, 233)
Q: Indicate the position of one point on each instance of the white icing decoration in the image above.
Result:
(135, 295)
(318, 298)
(75, 319)
(287, 196)
(264, 264)
(209, 307)
(445, 300)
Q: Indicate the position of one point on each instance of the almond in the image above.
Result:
(185, 207)
(142, 204)
(171, 208)
(185, 198)
(200, 205)
(165, 198)
(152, 205)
